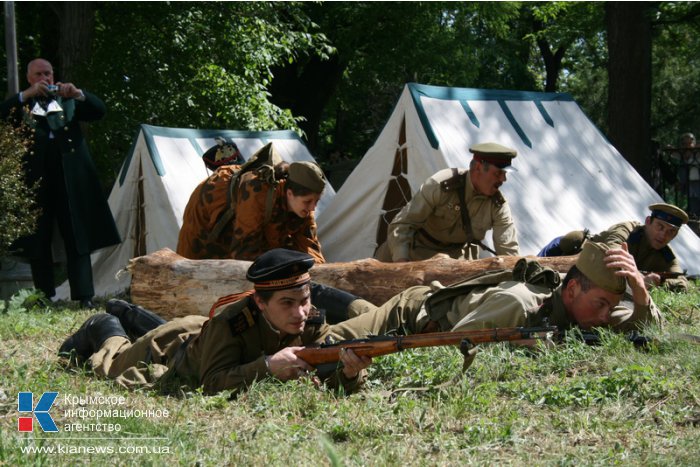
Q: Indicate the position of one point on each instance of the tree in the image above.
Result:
(16, 198)
(76, 23)
(675, 81)
(379, 47)
(629, 89)
(203, 65)
(188, 64)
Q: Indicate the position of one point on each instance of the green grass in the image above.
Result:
(570, 405)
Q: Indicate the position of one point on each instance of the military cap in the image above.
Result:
(308, 175)
(669, 213)
(591, 262)
(571, 243)
(494, 153)
(280, 269)
(224, 153)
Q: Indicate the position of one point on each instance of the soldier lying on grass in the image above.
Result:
(259, 335)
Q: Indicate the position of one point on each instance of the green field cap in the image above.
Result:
(591, 262)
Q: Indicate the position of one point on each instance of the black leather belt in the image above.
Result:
(437, 242)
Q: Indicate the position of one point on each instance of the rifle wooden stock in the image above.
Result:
(383, 345)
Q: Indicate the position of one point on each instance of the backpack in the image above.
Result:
(263, 161)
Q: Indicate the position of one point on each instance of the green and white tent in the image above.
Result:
(569, 176)
(149, 197)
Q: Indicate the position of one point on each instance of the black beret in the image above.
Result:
(280, 269)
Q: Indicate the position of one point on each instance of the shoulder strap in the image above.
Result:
(243, 320)
(464, 212)
(228, 299)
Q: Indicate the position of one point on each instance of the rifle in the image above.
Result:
(593, 338)
(665, 274)
(325, 357)
(640, 341)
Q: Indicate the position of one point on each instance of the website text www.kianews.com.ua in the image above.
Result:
(62, 448)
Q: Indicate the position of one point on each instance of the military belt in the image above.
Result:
(437, 242)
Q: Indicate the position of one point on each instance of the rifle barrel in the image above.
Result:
(384, 345)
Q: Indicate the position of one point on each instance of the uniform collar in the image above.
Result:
(559, 317)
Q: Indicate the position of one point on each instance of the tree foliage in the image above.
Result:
(16, 199)
(335, 69)
(202, 65)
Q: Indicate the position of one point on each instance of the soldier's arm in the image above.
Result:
(629, 316)
(221, 366)
(616, 234)
(505, 235)
(644, 310)
(207, 204)
(306, 240)
(411, 218)
(679, 284)
(338, 379)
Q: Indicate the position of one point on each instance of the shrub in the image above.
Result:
(17, 203)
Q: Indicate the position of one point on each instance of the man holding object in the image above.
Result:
(68, 190)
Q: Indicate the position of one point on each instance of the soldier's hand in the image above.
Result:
(652, 279)
(352, 363)
(285, 364)
(621, 259)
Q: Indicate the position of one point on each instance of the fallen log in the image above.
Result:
(173, 286)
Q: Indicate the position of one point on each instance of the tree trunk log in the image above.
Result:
(173, 286)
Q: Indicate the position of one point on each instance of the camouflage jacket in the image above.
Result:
(257, 226)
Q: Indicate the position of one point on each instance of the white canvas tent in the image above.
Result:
(149, 197)
(569, 176)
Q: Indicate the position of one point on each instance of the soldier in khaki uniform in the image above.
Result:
(589, 296)
(249, 340)
(240, 215)
(453, 210)
(648, 243)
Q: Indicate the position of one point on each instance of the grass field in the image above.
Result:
(571, 405)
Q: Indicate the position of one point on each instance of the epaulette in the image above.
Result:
(316, 316)
(243, 320)
(499, 199)
(455, 182)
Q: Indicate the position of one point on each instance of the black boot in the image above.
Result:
(136, 321)
(91, 335)
(334, 301)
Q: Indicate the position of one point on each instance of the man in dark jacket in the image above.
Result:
(68, 189)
